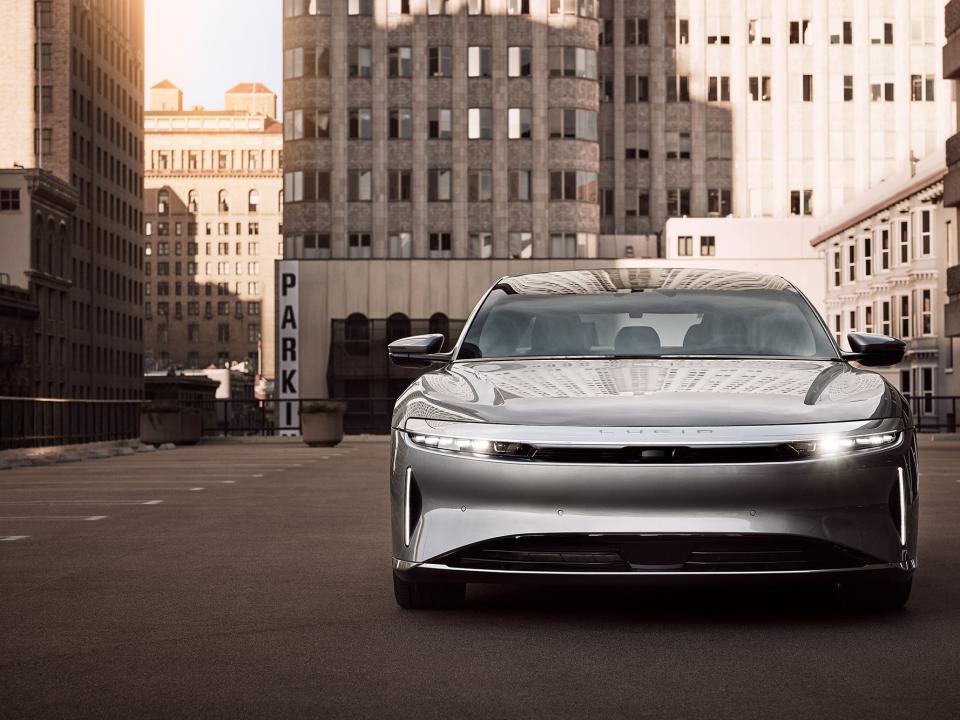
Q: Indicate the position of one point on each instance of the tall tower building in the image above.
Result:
(72, 124)
(213, 202)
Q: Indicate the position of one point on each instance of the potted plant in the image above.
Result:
(321, 423)
(169, 423)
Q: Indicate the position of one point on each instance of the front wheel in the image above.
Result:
(891, 595)
(428, 596)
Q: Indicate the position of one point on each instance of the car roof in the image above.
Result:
(605, 280)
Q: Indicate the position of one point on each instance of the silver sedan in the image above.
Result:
(651, 426)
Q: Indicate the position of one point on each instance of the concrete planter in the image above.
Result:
(179, 428)
(322, 429)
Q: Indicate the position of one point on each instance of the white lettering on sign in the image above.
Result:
(288, 345)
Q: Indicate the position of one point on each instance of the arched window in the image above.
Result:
(253, 202)
(440, 323)
(163, 202)
(192, 203)
(223, 201)
(356, 334)
(398, 326)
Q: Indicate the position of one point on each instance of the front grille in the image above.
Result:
(656, 553)
(668, 454)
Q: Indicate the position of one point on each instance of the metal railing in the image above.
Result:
(935, 413)
(39, 422)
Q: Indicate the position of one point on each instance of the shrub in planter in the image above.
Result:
(322, 423)
(169, 423)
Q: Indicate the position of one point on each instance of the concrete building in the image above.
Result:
(213, 189)
(71, 203)
(885, 264)
(951, 183)
(432, 145)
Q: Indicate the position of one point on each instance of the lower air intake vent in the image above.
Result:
(655, 553)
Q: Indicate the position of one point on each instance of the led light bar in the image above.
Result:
(485, 448)
(834, 445)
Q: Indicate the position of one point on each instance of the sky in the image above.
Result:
(205, 47)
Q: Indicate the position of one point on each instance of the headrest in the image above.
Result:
(637, 340)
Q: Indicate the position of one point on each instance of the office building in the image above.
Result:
(71, 144)
(213, 219)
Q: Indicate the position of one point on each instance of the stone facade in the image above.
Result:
(72, 89)
(213, 203)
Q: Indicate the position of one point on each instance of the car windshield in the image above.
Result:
(647, 323)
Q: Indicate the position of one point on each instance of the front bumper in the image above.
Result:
(849, 502)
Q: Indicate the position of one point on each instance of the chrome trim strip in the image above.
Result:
(903, 508)
(403, 565)
(406, 508)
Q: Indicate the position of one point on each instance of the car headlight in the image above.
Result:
(468, 446)
(837, 445)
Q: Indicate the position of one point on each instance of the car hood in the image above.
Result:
(649, 392)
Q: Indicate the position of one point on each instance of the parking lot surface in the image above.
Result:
(252, 579)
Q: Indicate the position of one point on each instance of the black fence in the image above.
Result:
(39, 422)
(935, 413)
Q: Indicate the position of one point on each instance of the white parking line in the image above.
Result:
(52, 517)
(12, 538)
(195, 489)
(79, 502)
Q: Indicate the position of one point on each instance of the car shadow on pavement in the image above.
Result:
(756, 604)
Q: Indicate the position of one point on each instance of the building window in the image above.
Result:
(316, 246)
(10, 200)
(400, 62)
(885, 317)
(520, 245)
(678, 202)
(677, 145)
(399, 185)
(358, 61)
(921, 88)
(440, 62)
(718, 30)
(718, 202)
(643, 203)
(903, 241)
(439, 184)
(583, 8)
(904, 316)
(440, 245)
(42, 141)
(848, 88)
(708, 245)
(361, 124)
(400, 245)
(881, 32)
(758, 31)
(637, 145)
(359, 7)
(841, 31)
(519, 123)
(760, 88)
(885, 248)
(867, 242)
(572, 123)
(479, 123)
(576, 185)
(479, 61)
(569, 61)
(636, 31)
(520, 185)
(518, 7)
(253, 201)
(719, 88)
(719, 145)
(881, 91)
(835, 271)
(807, 88)
(223, 332)
(851, 262)
(636, 89)
(480, 245)
(401, 124)
(800, 32)
(42, 56)
(223, 201)
(43, 98)
(519, 61)
(358, 245)
(677, 88)
(481, 185)
(439, 123)
(926, 312)
(193, 204)
(605, 33)
(359, 185)
(685, 246)
(476, 7)
(925, 239)
(923, 30)
(801, 202)
(438, 7)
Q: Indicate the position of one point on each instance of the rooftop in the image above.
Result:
(247, 87)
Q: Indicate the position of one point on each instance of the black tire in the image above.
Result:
(428, 596)
(875, 595)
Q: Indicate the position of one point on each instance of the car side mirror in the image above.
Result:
(418, 351)
(874, 350)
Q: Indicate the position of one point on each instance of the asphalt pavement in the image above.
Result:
(249, 580)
